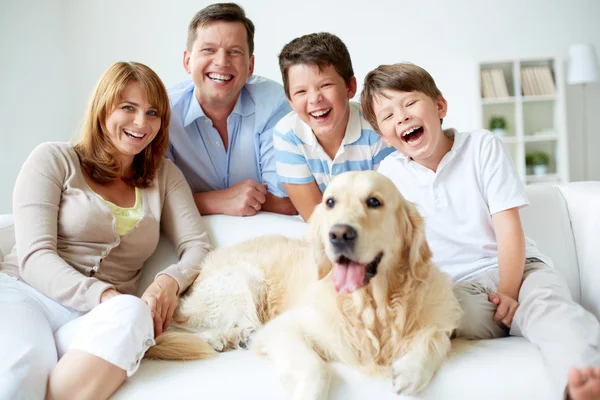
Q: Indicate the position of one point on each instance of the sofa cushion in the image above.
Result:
(508, 368)
(546, 221)
(225, 230)
(583, 199)
(7, 235)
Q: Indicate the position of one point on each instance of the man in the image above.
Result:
(221, 126)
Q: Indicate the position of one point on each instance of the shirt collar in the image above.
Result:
(244, 106)
(353, 129)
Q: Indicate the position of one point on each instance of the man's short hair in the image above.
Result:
(403, 77)
(319, 49)
(228, 12)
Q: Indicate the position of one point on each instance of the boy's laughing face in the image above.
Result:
(320, 98)
(410, 121)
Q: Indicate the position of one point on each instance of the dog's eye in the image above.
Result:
(330, 202)
(372, 202)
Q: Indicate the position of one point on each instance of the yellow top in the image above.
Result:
(127, 217)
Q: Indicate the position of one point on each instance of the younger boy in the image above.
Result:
(325, 135)
(466, 187)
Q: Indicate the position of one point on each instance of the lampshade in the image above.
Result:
(583, 64)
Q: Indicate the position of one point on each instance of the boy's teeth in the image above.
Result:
(320, 113)
(411, 130)
(220, 77)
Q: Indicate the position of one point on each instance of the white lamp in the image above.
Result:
(583, 69)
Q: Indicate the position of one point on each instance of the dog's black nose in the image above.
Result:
(342, 236)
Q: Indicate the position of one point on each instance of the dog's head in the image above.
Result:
(363, 228)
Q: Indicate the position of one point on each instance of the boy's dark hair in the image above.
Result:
(319, 49)
(403, 77)
(228, 12)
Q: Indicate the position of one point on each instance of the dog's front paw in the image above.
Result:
(411, 373)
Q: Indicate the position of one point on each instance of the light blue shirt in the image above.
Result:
(301, 159)
(196, 147)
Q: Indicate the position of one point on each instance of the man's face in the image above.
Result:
(219, 62)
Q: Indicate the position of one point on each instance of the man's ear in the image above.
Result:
(251, 69)
(316, 243)
(186, 61)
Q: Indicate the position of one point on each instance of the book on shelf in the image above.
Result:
(493, 84)
(537, 81)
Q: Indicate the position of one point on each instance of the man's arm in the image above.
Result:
(305, 197)
(277, 200)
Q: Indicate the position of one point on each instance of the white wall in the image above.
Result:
(55, 60)
(34, 106)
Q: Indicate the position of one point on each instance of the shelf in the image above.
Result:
(548, 178)
(547, 97)
(510, 139)
(540, 138)
(499, 100)
(533, 105)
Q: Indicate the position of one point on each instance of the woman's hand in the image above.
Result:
(108, 294)
(161, 297)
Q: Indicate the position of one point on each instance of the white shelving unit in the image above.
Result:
(535, 122)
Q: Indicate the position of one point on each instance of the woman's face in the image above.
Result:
(133, 123)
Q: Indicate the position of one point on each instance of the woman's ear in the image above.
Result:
(316, 243)
(415, 242)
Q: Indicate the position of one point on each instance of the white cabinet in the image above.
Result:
(530, 95)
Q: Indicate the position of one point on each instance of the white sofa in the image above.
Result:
(565, 223)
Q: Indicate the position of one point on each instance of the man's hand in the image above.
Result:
(507, 307)
(245, 198)
(108, 294)
(161, 297)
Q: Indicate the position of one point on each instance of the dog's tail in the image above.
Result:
(180, 346)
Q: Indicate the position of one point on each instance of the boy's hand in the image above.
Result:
(507, 307)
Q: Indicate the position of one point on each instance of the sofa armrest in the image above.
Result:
(583, 202)
(7, 234)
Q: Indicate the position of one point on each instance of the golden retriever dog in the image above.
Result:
(362, 290)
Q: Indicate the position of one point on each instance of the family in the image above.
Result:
(150, 159)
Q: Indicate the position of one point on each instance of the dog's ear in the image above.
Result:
(415, 244)
(316, 243)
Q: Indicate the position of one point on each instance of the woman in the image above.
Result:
(87, 217)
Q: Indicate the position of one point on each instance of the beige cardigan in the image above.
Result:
(66, 241)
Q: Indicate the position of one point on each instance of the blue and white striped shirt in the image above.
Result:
(300, 159)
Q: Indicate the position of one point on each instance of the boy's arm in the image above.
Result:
(511, 262)
(511, 250)
(305, 197)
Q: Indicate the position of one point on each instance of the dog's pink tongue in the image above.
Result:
(347, 278)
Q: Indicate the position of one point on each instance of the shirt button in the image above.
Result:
(206, 121)
(218, 143)
(104, 253)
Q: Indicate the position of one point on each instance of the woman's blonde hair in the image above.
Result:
(97, 154)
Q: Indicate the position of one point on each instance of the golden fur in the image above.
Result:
(398, 323)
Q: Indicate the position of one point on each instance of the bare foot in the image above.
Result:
(584, 384)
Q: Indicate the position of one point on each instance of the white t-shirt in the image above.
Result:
(474, 180)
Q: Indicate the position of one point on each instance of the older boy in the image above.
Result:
(222, 119)
(325, 135)
(467, 189)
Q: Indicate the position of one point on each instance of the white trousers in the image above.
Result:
(566, 334)
(36, 331)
